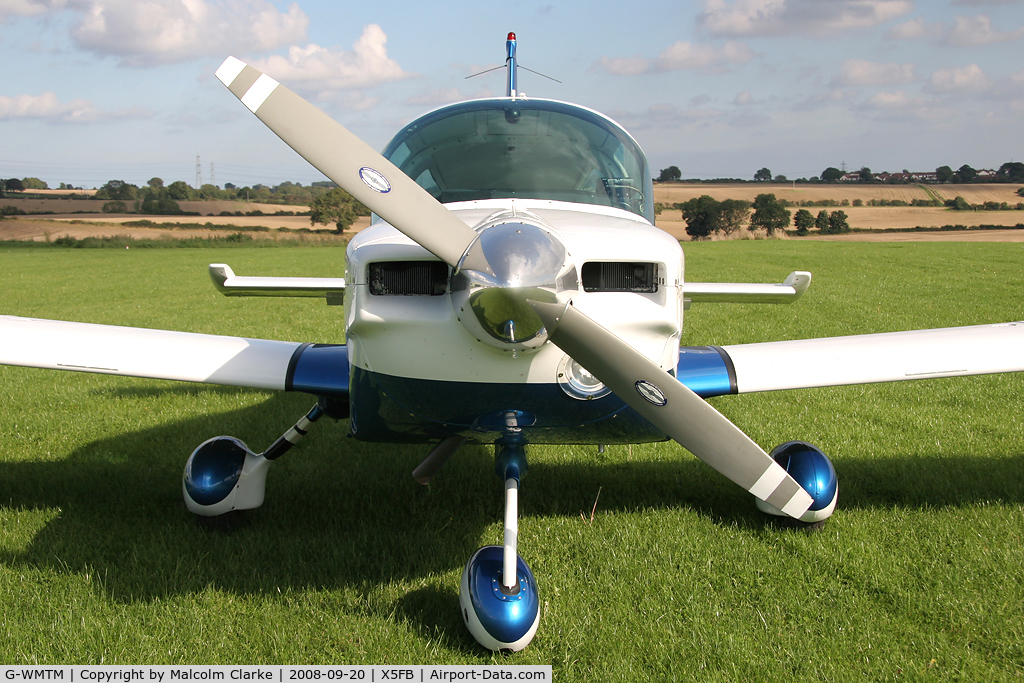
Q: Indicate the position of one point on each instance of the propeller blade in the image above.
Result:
(672, 407)
(436, 459)
(348, 161)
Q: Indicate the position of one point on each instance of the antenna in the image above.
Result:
(199, 173)
(510, 62)
(513, 67)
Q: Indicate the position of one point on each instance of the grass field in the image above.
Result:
(918, 575)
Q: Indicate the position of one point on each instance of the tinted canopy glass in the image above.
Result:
(538, 149)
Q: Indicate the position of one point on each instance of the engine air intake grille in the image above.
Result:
(600, 276)
(408, 278)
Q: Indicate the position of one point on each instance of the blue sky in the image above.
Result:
(100, 89)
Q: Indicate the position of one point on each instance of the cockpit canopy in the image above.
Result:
(538, 149)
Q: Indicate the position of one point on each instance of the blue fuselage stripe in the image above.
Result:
(320, 369)
(706, 370)
(388, 408)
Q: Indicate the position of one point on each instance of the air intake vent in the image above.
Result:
(408, 278)
(599, 276)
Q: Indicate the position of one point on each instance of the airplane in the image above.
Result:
(511, 290)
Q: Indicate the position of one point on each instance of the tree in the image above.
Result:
(944, 174)
(155, 183)
(831, 174)
(769, 213)
(763, 176)
(733, 215)
(865, 175)
(958, 204)
(781, 179)
(335, 206)
(14, 185)
(966, 174)
(804, 221)
(821, 221)
(670, 173)
(34, 184)
(1011, 172)
(179, 190)
(157, 201)
(837, 223)
(117, 189)
(703, 216)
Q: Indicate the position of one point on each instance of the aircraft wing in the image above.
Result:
(860, 359)
(136, 352)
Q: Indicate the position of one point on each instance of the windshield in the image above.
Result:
(538, 149)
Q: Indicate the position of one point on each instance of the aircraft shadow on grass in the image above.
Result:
(340, 512)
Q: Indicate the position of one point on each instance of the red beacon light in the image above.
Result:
(511, 36)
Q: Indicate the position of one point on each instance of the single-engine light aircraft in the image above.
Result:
(514, 248)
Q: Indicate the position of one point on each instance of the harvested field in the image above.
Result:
(670, 193)
(859, 217)
(60, 205)
(65, 222)
(53, 227)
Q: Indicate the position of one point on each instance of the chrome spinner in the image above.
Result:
(509, 263)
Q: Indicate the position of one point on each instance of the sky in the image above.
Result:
(94, 90)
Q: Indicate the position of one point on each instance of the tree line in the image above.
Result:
(1009, 172)
(327, 203)
(706, 216)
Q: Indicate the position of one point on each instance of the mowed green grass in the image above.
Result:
(919, 575)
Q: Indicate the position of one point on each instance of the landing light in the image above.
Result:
(577, 382)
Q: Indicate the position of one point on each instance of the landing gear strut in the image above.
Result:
(498, 594)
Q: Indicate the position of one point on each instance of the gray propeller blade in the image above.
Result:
(672, 407)
(348, 161)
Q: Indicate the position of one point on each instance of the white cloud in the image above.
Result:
(894, 100)
(47, 107)
(680, 56)
(318, 69)
(977, 30)
(151, 32)
(966, 79)
(783, 17)
(862, 72)
(917, 29)
(22, 8)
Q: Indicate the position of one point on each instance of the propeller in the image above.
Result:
(355, 166)
(388, 192)
(672, 407)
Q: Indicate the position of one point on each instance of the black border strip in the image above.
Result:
(729, 368)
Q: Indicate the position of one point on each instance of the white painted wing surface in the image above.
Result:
(137, 352)
(888, 357)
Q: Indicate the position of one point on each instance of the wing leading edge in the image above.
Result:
(321, 369)
(859, 359)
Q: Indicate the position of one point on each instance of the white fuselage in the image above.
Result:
(420, 337)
